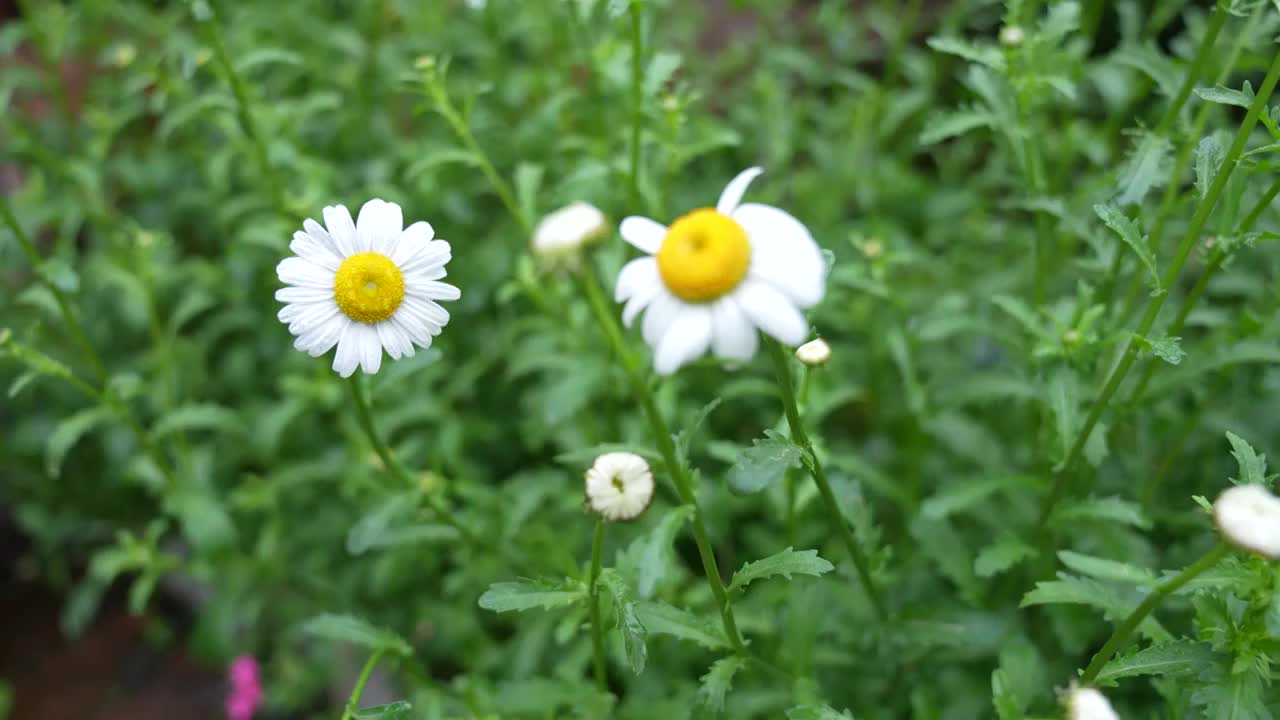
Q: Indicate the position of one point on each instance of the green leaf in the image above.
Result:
(1209, 158)
(1179, 657)
(348, 628)
(386, 526)
(1003, 698)
(1007, 552)
(399, 710)
(817, 712)
(662, 619)
(1131, 235)
(1253, 467)
(1074, 590)
(987, 55)
(763, 464)
(1064, 402)
(68, 432)
(1226, 96)
(257, 57)
(684, 438)
(655, 557)
(197, 416)
(946, 125)
(1237, 696)
(1104, 510)
(1144, 169)
(785, 563)
(1168, 349)
(1104, 569)
(529, 594)
(624, 606)
(716, 684)
(528, 178)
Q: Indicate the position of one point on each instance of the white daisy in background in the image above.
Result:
(619, 486)
(560, 235)
(1085, 703)
(1249, 517)
(365, 286)
(716, 275)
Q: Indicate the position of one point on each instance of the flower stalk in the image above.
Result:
(597, 625)
(353, 703)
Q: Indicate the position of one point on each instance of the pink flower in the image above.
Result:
(245, 694)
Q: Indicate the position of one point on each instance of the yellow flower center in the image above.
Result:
(704, 255)
(368, 287)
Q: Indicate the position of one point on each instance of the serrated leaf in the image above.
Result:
(348, 628)
(399, 710)
(655, 557)
(987, 55)
(197, 416)
(529, 594)
(946, 125)
(1074, 590)
(1144, 169)
(1237, 696)
(1178, 657)
(1105, 569)
(1226, 96)
(1130, 234)
(763, 464)
(629, 625)
(785, 563)
(1209, 158)
(68, 432)
(1005, 553)
(1253, 467)
(1168, 349)
(1105, 510)
(662, 619)
(817, 712)
(716, 684)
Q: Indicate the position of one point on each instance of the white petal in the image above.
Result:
(637, 276)
(343, 231)
(642, 232)
(394, 340)
(416, 333)
(305, 247)
(370, 349)
(428, 257)
(413, 239)
(658, 317)
(784, 253)
(686, 339)
(300, 317)
(734, 336)
(320, 339)
(379, 225)
(321, 236)
(771, 311)
(736, 188)
(297, 271)
(432, 290)
(639, 302)
(304, 294)
(423, 312)
(347, 359)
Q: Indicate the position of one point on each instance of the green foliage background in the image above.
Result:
(976, 303)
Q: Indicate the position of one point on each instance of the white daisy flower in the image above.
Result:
(365, 286)
(814, 353)
(565, 231)
(1249, 517)
(619, 486)
(718, 274)
(1085, 703)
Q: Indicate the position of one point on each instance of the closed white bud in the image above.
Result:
(1248, 516)
(1012, 35)
(1085, 703)
(814, 353)
(619, 486)
(563, 233)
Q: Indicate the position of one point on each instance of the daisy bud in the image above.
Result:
(1249, 517)
(1084, 703)
(562, 234)
(814, 353)
(873, 249)
(619, 486)
(1012, 35)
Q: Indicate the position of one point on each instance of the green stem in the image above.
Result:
(666, 446)
(72, 322)
(637, 97)
(1033, 166)
(798, 433)
(353, 703)
(1124, 633)
(389, 461)
(1134, 345)
(597, 626)
(245, 114)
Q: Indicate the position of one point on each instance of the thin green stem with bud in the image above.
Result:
(666, 446)
(1137, 340)
(353, 703)
(597, 625)
(800, 436)
(1125, 631)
